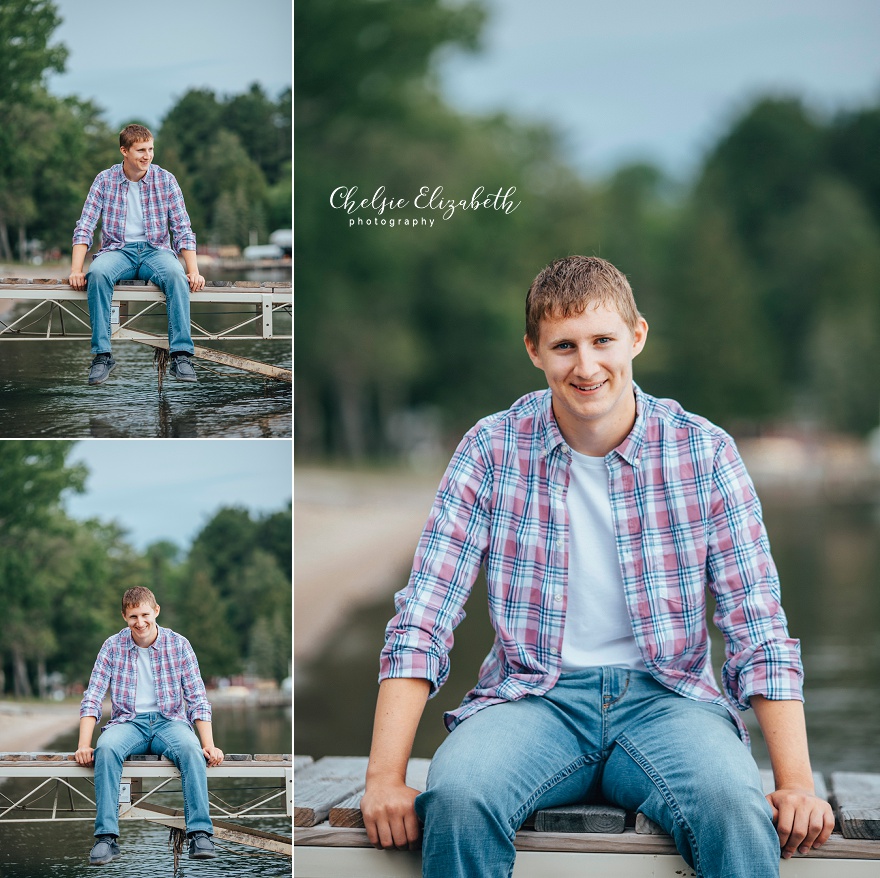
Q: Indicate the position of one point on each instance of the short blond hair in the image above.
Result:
(134, 134)
(134, 597)
(567, 286)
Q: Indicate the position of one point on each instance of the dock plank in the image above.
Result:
(301, 762)
(347, 813)
(326, 783)
(581, 818)
(628, 842)
(856, 801)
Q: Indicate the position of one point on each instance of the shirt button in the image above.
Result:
(557, 598)
(553, 650)
(560, 542)
(565, 449)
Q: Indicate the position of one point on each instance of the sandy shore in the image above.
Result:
(30, 271)
(354, 538)
(31, 727)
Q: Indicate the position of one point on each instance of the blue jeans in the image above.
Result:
(142, 261)
(608, 734)
(150, 733)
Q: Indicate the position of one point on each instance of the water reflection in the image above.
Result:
(828, 556)
(43, 393)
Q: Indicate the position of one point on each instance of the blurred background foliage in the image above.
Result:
(760, 277)
(230, 153)
(62, 580)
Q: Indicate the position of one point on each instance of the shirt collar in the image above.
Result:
(629, 449)
(551, 437)
(130, 644)
(121, 178)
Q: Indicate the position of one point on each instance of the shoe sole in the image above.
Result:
(104, 862)
(93, 384)
(203, 856)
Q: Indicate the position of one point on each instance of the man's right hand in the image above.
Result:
(390, 816)
(77, 280)
(85, 756)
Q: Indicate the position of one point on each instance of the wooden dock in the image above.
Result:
(61, 313)
(567, 842)
(51, 795)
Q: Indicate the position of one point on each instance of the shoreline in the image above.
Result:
(29, 727)
(355, 533)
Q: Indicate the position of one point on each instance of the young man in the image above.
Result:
(138, 202)
(156, 694)
(601, 515)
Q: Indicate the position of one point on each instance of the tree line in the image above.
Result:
(759, 276)
(231, 153)
(62, 580)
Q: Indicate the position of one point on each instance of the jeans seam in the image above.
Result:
(526, 808)
(667, 795)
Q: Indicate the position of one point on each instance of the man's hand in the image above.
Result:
(390, 816)
(196, 281)
(77, 280)
(803, 820)
(214, 755)
(85, 756)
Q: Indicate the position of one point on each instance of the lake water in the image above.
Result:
(60, 850)
(44, 394)
(828, 556)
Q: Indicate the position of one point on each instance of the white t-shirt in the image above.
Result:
(134, 215)
(145, 695)
(598, 630)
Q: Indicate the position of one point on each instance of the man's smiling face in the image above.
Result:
(136, 159)
(141, 621)
(587, 359)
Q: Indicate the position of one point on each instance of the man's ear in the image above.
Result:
(640, 336)
(532, 350)
(157, 610)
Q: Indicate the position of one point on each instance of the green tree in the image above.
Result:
(26, 27)
(34, 474)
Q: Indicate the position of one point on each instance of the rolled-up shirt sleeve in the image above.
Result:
(99, 681)
(183, 237)
(194, 694)
(447, 560)
(761, 657)
(84, 230)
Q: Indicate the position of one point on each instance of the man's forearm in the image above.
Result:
(78, 258)
(206, 733)
(86, 730)
(191, 261)
(785, 731)
(803, 821)
(399, 708)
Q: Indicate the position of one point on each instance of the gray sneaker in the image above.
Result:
(102, 366)
(105, 850)
(182, 369)
(201, 846)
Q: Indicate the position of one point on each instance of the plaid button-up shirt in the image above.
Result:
(686, 517)
(180, 691)
(162, 203)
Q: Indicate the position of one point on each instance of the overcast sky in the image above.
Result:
(138, 59)
(642, 79)
(168, 489)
